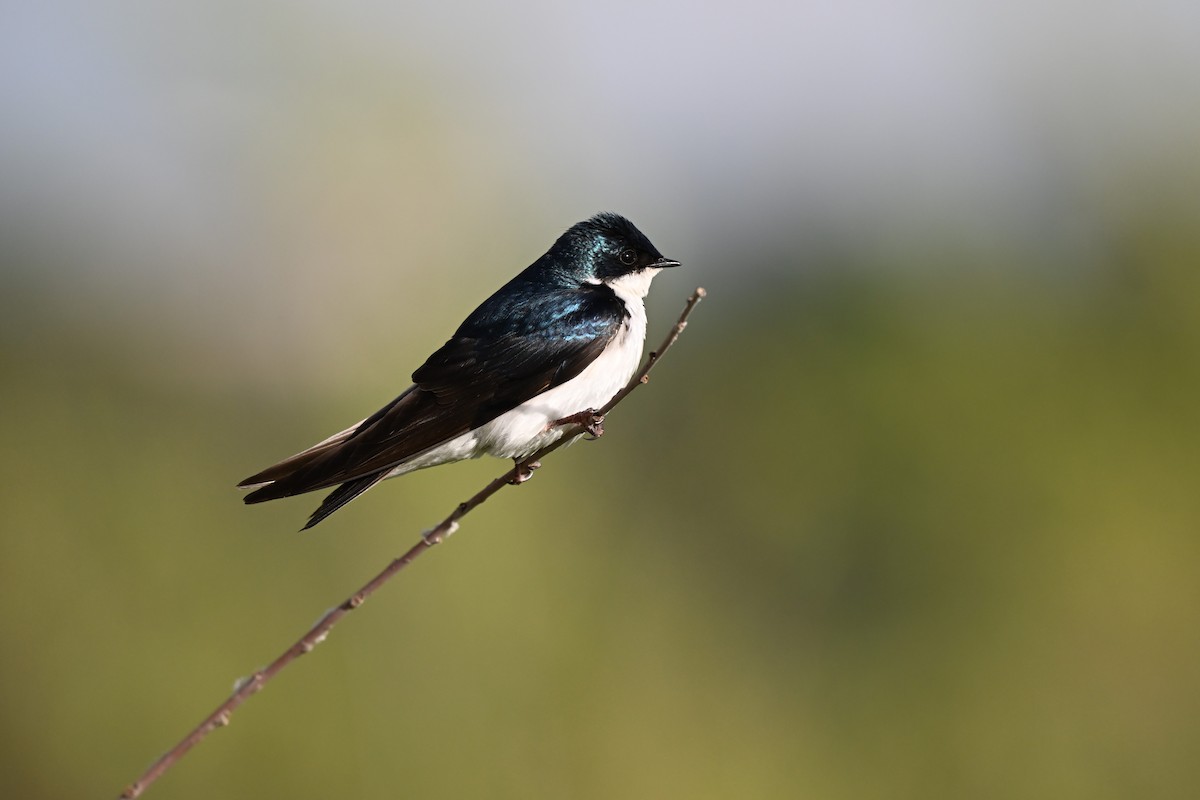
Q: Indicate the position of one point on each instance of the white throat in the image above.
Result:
(635, 285)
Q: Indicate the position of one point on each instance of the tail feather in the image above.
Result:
(296, 474)
(340, 496)
(345, 458)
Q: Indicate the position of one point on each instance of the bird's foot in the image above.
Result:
(523, 471)
(590, 420)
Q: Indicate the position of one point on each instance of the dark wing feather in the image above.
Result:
(305, 457)
(317, 467)
(498, 359)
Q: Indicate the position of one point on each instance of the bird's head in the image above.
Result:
(608, 249)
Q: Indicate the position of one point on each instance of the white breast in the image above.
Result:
(527, 427)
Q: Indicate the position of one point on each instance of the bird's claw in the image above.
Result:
(590, 420)
(523, 472)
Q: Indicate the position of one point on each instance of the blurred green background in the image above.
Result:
(910, 511)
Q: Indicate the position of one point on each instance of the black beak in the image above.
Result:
(664, 262)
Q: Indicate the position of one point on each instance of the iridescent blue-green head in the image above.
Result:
(606, 249)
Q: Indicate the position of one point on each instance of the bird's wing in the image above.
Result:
(468, 382)
(292, 463)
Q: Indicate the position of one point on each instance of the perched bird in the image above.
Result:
(558, 340)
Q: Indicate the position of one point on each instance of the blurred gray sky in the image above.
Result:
(173, 146)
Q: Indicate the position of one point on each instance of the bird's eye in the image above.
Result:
(628, 257)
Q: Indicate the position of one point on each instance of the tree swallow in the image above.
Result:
(559, 339)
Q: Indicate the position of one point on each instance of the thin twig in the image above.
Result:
(317, 633)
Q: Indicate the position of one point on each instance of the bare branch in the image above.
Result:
(585, 422)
